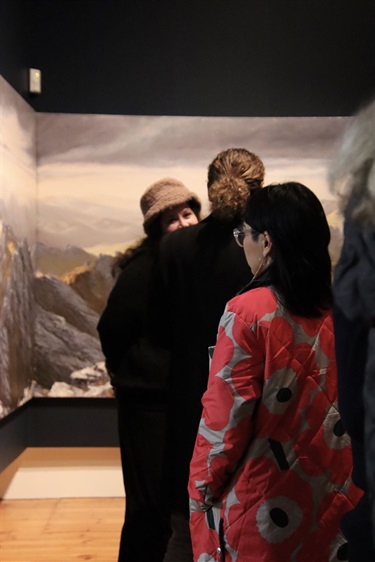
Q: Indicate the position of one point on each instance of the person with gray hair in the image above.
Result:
(352, 178)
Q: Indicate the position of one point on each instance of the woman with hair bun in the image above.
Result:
(138, 373)
(198, 270)
(270, 475)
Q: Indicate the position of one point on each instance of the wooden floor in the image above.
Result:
(60, 530)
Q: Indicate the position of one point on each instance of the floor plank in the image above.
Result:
(60, 530)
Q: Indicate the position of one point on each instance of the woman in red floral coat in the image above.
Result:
(270, 476)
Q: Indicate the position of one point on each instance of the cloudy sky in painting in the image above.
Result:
(152, 141)
(93, 169)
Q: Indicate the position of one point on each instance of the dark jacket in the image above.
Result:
(198, 270)
(139, 373)
(354, 320)
(135, 364)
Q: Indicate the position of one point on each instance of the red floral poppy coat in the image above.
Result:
(270, 477)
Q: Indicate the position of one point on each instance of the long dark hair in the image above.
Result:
(300, 270)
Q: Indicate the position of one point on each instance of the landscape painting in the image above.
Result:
(92, 171)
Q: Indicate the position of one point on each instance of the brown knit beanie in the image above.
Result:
(163, 194)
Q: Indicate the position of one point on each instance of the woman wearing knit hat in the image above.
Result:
(138, 372)
(168, 205)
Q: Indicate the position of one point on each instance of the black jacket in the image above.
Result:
(197, 271)
(135, 364)
(354, 320)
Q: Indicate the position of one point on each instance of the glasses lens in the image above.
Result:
(239, 236)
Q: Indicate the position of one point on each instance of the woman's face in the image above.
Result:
(177, 217)
(253, 248)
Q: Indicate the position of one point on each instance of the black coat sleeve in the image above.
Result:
(120, 325)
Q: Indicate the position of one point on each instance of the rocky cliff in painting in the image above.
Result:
(59, 299)
(49, 345)
(89, 382)
(90, 276)
(66, 339)
(58, 261)
(17, 319)
(93, 282)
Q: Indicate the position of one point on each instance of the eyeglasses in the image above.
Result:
(240, 233)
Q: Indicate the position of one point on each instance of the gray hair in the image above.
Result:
(352, 172)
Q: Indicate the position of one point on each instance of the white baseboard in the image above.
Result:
(63, 472)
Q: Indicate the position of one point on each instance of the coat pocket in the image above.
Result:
(216, 524)
(205, 537)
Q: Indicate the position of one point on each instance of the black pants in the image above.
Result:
(179, 547)
(142, 432)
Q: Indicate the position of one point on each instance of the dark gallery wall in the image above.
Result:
(207, 57)
(16, 38)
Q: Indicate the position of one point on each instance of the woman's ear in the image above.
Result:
(267, 244)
